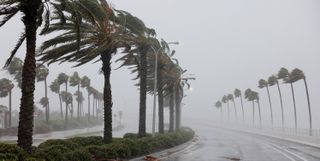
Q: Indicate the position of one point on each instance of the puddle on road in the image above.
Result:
(232, 158)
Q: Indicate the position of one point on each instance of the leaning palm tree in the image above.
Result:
(218, 105)
(285, 76)
(55, 88)
(32, 18)
(41, 74)
(6, 87)
(272, 80)
(100, 36)
(264, 84)
(255, 95)
(63, 79)
(237, 93)
(75, 80)
(85, 83)
(68, 99)
(297, 75)
(80, 99)
(231, 98)
(15, 69)
(248, 95)
(225, 100)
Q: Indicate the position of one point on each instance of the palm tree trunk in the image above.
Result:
(25, 128)
(253, 113)
(61, 112)
(78, 101)
(171, 110)
(281, 103)
(270, 103)
(235, 111)
(66, 115)
(88, 105)
(107, 97)
(10, 107)
(242, 109)
(221, 114)
(294, 107)
(309, 106)
(160, 101)
(178, 108)
(93, 106)
(143, 91)
(260, 121)
(228, 111)
(46, 96)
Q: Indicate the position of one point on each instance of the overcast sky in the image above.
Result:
(227, 44)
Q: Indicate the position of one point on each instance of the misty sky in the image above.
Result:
(227, 44)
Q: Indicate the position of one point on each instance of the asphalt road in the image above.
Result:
(224, 145)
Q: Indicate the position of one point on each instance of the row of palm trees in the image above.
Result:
(91, 30)
(6, 87)
(287, 78)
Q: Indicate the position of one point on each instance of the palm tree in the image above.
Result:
(285, 76)
(80, 99)
(85, 83)
(231, 98)
(100, 36)
(6, 87)
(32, 19)
(15, 69)
(63, 79)
(41, 74)
(68, 99)
(55, 87)
(272, 80)
(225, 100)
(297, 75)
(248, 95)
(255, 95)
(264, 84)
(75, 80)
(237, 93)
(218, 105)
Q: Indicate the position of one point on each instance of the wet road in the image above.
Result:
(223, 145)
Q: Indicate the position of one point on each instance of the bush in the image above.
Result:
(85, 141)
(65, 143)
(11, 152)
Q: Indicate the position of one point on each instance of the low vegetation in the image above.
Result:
(92, 148)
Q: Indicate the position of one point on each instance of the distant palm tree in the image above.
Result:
(218, 105)
(264, 84)
(285, 76)
(237, 93)
(68, 99)
(75, 80)
(85, 83)
(63, 79)
(15, 69)
(231, 98)
(225, 100)
(41, 74)
(297, 75)
(80, 99)
(251, 96)
(6, 87)
(272, 80)
(55, 87)
(255, 95)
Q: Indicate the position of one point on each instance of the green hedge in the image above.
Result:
(92, 148)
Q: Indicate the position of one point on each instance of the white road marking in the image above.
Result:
(282, 153)
(296, 155)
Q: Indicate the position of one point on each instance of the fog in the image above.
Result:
(226, 44)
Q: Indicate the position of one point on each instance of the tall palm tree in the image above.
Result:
(63, 79)
(68, 99)
(255, 95)
(80, 99)
(237, 93)
(248, 95)
(272, 80)
(231, 98)
(218, 105)
(297, 75)
(32, 18)
(15, 69)
(41, 74)
(6, 87)
(264, 84)
(225, 100)
(75, 80)
(85, 83)
(55, 88)
(100, 36)
(285, 76)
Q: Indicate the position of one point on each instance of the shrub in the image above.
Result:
(102, 152)
(65, 143)
(78, 155)
(53, 153)
(85, 141)
(11, 152)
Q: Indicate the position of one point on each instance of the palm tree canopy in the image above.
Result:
(283, 73)
(230, 97)
(296, 75)
(237, 92)
(15, 66)
(224, 99)
(3, 108)
(44, 101)
(85, 81)
(218, 104)
(55, 86)
(262, 83)
(6, 86)
(74, 79)
(79, 96)
(41, 72)
(62, 78)
(247, 93)
(272, 80)
(66, 97)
